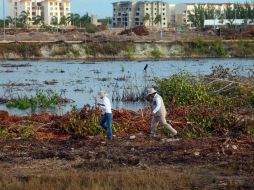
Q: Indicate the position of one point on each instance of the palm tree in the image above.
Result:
(75, 19)
(38, 20)
(85, 20)
(11, 21)
(63, 21)
(54, 21)
(157, 19)
(147, 18)
(24, 18)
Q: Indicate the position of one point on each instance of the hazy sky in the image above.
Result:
(103, 8)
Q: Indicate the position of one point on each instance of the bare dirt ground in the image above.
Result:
(225, 163)
(107, 35)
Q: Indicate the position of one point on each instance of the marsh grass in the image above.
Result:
(180, 178)
(42, 100)
(156, 53)
(120, 179)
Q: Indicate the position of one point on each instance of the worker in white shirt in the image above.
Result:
(106, 120)
(159, 112)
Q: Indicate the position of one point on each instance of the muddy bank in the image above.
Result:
(110, 50)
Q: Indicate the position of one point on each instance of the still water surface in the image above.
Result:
(81, 82)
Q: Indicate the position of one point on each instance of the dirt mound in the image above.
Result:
(138, 30)
(4, 115)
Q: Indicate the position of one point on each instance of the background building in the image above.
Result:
(49, 10)
(135, 13)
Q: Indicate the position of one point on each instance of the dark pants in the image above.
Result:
(106, 123)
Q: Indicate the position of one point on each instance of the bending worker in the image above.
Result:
(106, 120)
(159, 112)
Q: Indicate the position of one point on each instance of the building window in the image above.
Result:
(51, 3)
(147, 9)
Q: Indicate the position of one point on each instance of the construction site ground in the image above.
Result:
(107, 35)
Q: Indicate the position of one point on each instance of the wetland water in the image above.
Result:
(81, 81)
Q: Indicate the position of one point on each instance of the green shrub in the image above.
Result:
(75, 52)
(184, 88)
(200, 46)
(156, 53)
(130, 50)
(251, 99)
(40, 100)
(218, 49)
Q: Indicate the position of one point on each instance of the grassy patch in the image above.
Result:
(105, 48)
(21, 49)
(131, 179)
(156, 53)
(40, 100)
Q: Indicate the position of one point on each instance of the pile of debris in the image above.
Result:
(138, 30)
(233, 34)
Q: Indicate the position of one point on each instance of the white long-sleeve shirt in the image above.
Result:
(156, 103)
(105, 105)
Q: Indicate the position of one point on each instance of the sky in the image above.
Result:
(103, 8)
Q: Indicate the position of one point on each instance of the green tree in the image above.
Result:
(157, 19)
(38, 20)
(10, 21)
(54, 21)
(230, 14)
(24, 19)
(85, 20)
(147, 18)
(197, 17)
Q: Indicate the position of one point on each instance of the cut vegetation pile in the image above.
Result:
(138, 30)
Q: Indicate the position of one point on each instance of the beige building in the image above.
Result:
(133, 13)
(48, 9)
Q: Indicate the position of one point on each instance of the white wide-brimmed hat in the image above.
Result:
(102, 94)
(151, 91)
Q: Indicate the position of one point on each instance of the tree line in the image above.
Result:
(231, 12)
(73, 19)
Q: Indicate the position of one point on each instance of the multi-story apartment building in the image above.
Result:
(134, 13)
(48, 9)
